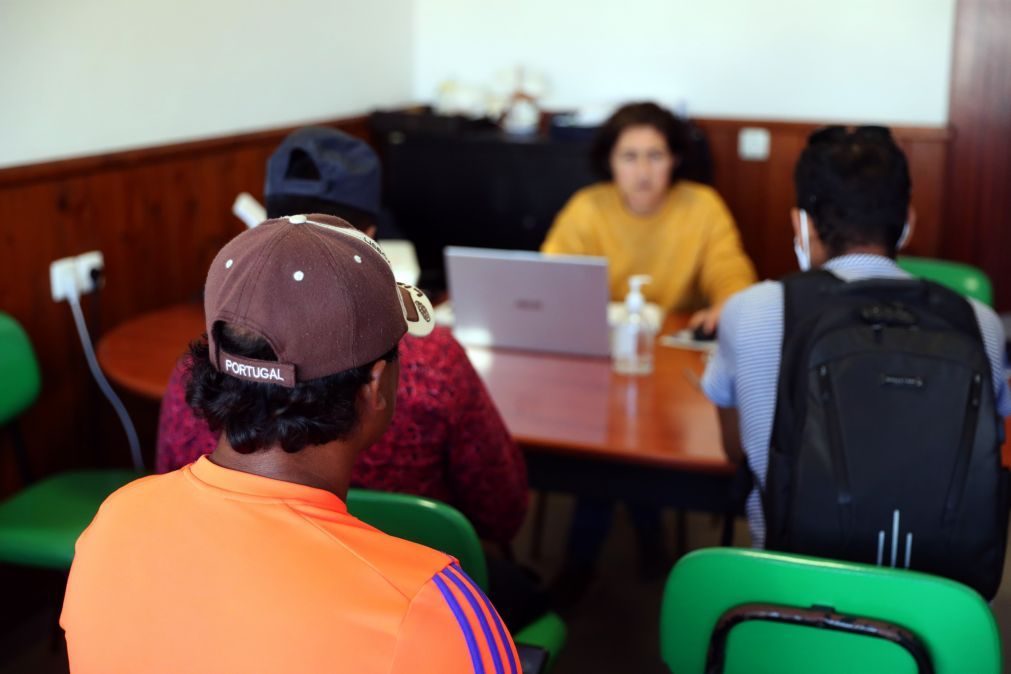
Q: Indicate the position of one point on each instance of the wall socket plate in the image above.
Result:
(73, 275)
(87, 263)
(753, 143)
(63, 278)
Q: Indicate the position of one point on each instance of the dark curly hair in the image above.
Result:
(856, 186)
(674, 129)
(256, 415)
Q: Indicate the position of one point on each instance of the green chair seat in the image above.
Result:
(962, 278)
(950, 620)
(39, 525)
(443, 527)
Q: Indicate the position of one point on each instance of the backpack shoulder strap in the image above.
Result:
(954, 307)
(803, 296)
(803, 299)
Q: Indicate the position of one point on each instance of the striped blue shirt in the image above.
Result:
(744, 371)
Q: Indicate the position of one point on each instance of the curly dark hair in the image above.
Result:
(674, 129)
(856, 186)
(256, 415)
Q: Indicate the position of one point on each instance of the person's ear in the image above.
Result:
(373, 393)
(795, 221)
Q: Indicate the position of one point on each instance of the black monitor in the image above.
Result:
(482, 189)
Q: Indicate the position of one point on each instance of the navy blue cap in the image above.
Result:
(324, 163)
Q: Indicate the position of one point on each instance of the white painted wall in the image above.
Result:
(88, 76)
(885, 61)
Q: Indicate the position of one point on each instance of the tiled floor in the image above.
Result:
(613, 629)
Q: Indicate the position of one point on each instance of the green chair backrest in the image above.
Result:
(426, 521)
(19, 370)
(952, 621)
(962, 278)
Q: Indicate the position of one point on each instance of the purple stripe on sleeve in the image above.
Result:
(461, 619)
(514, 665)
(460, 580)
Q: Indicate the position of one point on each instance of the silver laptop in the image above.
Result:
(525, 300)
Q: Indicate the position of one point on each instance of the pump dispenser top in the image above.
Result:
(634, 301)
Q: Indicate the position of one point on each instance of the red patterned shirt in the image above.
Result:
(447, 440)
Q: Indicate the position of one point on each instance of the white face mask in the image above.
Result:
(903, 238)
(802, 248)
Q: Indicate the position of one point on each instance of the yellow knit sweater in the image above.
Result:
(690, 246)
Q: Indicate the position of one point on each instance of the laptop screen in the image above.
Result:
(530, 301)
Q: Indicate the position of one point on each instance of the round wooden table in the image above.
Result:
(555, 403)
(140, 354)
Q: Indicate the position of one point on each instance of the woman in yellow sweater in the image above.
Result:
(645, 220)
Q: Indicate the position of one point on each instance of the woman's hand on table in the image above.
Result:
(706, 320)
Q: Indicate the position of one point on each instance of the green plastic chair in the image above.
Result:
(756, 607)
(40, 524)
(962, 278)
(443, 527)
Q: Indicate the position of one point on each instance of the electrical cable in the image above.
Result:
(103, 383)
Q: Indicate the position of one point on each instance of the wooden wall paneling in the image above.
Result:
(927, 166)
(979, 172)
(760, 194)
(740, 185)
(779, 258)
(750, 203)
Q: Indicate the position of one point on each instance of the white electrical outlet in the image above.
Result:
(86, 263)
(753, 144)
(63, 278)
(72, 275)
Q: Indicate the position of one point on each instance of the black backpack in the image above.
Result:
(886, 446)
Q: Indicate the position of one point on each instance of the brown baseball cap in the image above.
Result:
(320, 292)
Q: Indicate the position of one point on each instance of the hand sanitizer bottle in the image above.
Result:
(632, 346)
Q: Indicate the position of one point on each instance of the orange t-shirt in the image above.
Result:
(207, 569)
